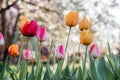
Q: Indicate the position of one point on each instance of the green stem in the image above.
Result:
(27, 42)
(79, 48)
(38, 57)
(50, 50)
(84, 64)
(67, 40)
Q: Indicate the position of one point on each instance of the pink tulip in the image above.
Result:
(28, 54)
(60, 52)
(1, 39)
(41, 33)
(94, 50)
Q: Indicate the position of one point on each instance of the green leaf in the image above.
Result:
(93, 68)
(23, 70)
(80, 76)
(3, 69)
(32, 77)
(58, 70)
(39, 74)
(103, 72)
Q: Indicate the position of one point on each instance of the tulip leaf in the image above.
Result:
(23, 70)
(3, 68)
(93, 68)
(32, 77)
(58, 70)
(80, 76)
(39, 74)
(103, 72)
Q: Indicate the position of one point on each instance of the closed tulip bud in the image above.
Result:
(28, 54)
(60, 52)
(94, 50)
(85, 23)
(71, 19)
(41, 33)
(86, 37)
(1, 39)
(13, 50)
(28, 27)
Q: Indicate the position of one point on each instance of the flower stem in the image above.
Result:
(84, 64)
(27, 42)
(67, 39)
(50, 50)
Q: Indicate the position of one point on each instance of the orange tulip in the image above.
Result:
(86, 37)
(23, 21)
(13, 50)
(71, 19)
(85, 23)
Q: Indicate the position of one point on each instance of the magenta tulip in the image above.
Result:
(41, 33)
(1, 39)
(60, 52)
(94, 50)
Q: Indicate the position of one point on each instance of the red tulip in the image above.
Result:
(60, 52)
(94, 50)
(28, 27)
(41, 33)
(1, 39)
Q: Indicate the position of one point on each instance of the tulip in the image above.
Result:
(28, 27)
(41, 33)
(95, 51)
(28, 54)
(71, 19)
(86, 37)
(85, 23)
(1, 39)
(60, 52)
(13, 50)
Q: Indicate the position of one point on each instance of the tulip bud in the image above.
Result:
(85, 23)
(71, 19)
(13, 50)
(60, 52)
(1, 39)
(28, 55)
(86, 37)
(28, 27)
(41, 33)
(94, 50)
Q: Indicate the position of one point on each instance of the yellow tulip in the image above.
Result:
(86, 37)
(85, 23)
(71, 19)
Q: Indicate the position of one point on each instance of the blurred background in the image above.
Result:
(105, 16)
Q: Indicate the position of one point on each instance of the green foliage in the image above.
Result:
(99, 69)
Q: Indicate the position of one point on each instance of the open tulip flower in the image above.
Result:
(1, 39)
(86, 37)
(60, 52)
(41, 33)
(13, 50)
(28, 54)
(71, 19)
(94, 50)
(85, 23)
(28, 27)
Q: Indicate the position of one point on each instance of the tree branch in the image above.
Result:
(4, 9)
